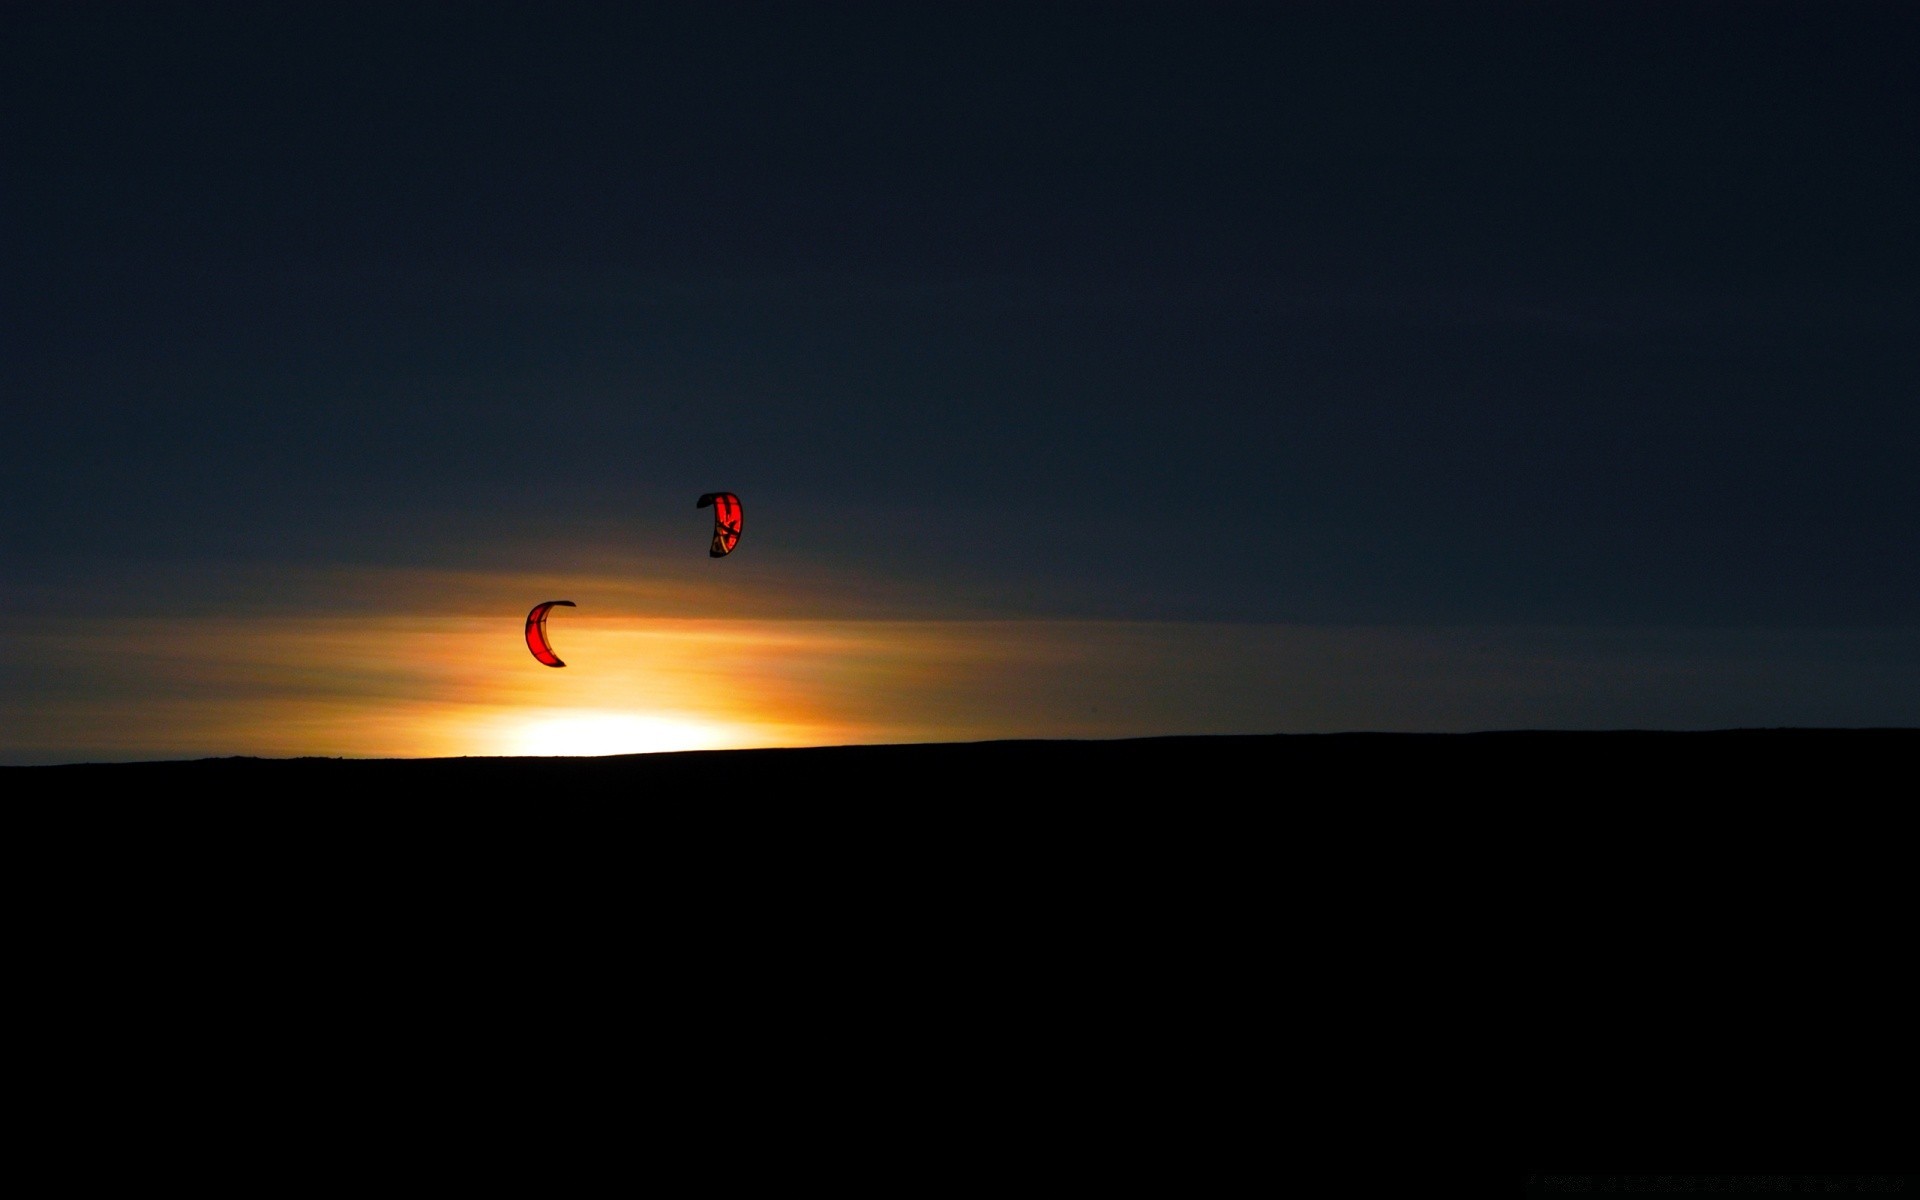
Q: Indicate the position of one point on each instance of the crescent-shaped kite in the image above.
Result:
(726, 522)
(537, 632)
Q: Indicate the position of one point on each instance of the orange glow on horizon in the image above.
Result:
(385, 685)
(429, 687)
(444, 671)
(413, 686)
(592, 732)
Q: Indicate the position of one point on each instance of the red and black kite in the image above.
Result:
(537, 632)
(726, 522)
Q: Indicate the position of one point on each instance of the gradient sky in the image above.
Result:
(1086, 369)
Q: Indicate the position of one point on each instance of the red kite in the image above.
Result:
(537, 632)
(726, 522)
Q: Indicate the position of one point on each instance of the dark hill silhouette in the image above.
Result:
(1211, 812)
(1214, 768)
(1152, 918)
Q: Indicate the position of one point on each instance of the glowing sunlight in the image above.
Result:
(591, 732)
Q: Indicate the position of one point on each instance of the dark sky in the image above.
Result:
(1548, 313)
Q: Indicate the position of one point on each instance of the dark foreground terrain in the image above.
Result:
(1143, 953)
(702, 833)
(1520, 765)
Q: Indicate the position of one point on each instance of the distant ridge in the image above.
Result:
(1575, 758)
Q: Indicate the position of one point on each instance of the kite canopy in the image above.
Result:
(726, 522)
(537, 632)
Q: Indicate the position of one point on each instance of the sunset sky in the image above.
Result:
(1085, 370)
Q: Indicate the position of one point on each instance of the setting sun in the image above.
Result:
(590, 732)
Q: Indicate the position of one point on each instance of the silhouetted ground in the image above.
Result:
(1214, 768)
(1202, 813)
(1138, 943)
